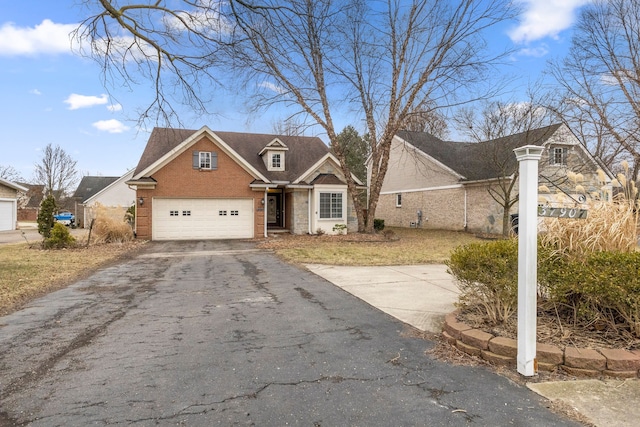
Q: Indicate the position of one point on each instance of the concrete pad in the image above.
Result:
(604, 403)
(418, 295)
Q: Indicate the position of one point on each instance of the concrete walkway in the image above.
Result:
(421, 295)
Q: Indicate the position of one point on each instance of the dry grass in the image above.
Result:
(28, 272)
(110, 225)
(397, 246)
(609, 226)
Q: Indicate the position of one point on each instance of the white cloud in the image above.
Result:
(273, 87)
(545, 18)
(76, 101)
(45, 38)
(111, 126)
(204, 17)
(536, 52)
(35, 92)
(114, 107)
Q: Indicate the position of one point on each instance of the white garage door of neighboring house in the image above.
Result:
(193, 219)
(7, 215)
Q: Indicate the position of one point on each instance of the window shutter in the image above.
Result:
(196, 160)
(214, 160)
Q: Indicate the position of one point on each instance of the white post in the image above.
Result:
(528, 157)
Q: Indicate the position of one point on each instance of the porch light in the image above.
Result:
(141, 201)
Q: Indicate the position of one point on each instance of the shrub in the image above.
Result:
(601, 287)
(378, 224)
(339, 228)
(59, 238)
(487, 275)
(45, 216)
(130, 215)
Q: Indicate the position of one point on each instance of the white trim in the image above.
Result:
(263, 203)
(114, 183)
(195, 137)
(13, 185)
(315, 166)
(417, 190)
(275, 145)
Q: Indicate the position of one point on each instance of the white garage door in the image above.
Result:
(7, 215)
(193, 219)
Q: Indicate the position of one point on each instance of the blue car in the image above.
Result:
(65, 218)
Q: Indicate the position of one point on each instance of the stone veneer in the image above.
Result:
(617, 363)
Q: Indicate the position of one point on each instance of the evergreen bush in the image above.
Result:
(45, 216)
(59, 238)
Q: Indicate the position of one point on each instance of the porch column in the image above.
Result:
(264, 210)
(528, 157)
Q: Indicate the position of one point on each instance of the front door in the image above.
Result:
(274, 210)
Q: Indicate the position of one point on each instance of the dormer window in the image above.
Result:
(276, 161)
(273, 155)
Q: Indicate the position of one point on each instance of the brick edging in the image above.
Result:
(617, 363)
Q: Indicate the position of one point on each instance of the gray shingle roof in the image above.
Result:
(90, 185)
(482, 160)
(303, 151)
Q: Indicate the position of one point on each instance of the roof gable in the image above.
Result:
(90, 185)
(116, 182)
(275, 145)
(302, 151)
(482, 160)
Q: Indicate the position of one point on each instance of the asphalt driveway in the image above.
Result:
(219, 333)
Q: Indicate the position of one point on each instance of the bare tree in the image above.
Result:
(378, 61)
(591, 132)
(600, 75)
(57, 171)
(498, 127)
(427, 119)
(10, 173)
(289, 127)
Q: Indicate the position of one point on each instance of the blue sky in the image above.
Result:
(51, 95)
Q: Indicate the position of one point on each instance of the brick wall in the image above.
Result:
(179, 179)
(441, 209)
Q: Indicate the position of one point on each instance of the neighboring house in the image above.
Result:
(446, 185)
(201, 184)
(9, 204)
(109, 192)
(29, 202)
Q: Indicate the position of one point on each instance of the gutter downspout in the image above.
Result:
(309, 209)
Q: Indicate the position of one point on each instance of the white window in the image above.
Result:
(558, 156)
(330, 205)
(234, 213)
(205, 160)
(173, 213)
(222, 213)
(186, 213)
(276, 161)
(398, 200)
